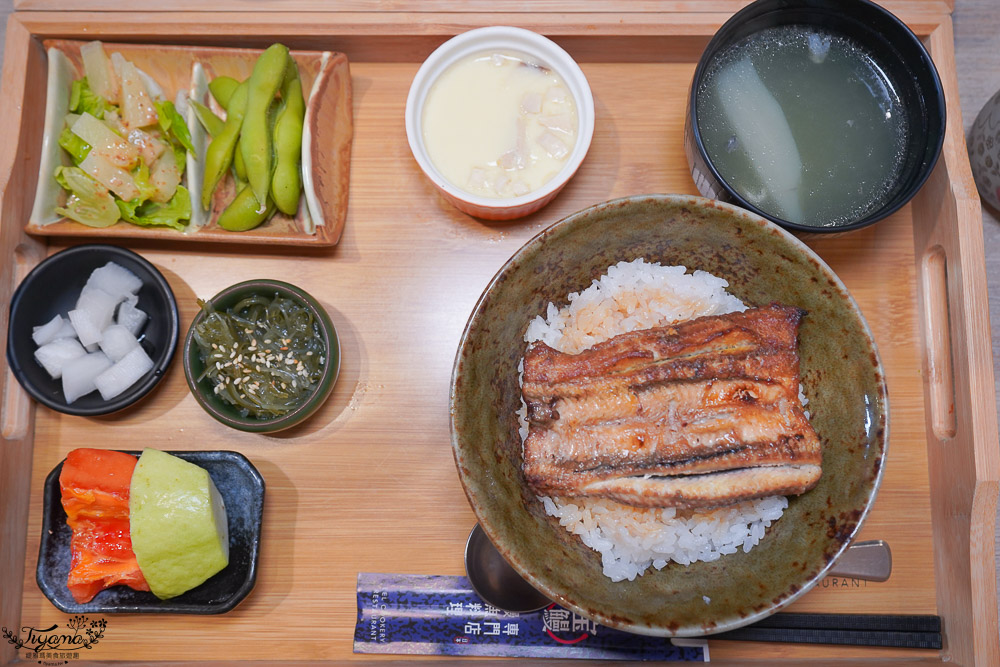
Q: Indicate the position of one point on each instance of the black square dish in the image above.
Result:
(242, 490)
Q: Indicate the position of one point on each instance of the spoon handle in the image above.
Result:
(871, 560)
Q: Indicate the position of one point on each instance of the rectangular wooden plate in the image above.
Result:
(369, 484)
(326, 82)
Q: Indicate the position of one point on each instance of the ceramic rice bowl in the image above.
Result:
(841, 376)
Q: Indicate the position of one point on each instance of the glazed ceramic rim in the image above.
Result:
(935, 95)
(516, 39)
(324, 387)
(476, 502)
(136, 392)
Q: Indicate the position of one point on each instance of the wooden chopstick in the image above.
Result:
(887, 630)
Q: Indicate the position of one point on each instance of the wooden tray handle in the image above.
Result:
(937, 334)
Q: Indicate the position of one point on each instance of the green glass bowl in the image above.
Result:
(841, 376)
(229, 414)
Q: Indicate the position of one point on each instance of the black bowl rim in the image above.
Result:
(936, 95)
(161, 364)
(796, 243)
(315, 400)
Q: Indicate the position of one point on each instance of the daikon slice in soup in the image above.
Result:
(803, 124)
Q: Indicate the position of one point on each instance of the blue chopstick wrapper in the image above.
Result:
(413, 614)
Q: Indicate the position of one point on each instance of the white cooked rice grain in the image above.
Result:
(630, 296)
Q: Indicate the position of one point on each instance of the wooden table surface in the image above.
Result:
(977, 54)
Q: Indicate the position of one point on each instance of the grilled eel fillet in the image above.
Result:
(699, 414)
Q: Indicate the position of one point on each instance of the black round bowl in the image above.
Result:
(52, 288)
(899, 52)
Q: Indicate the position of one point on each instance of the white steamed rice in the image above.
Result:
(639, 295)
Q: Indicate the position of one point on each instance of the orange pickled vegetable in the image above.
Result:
(95, 491)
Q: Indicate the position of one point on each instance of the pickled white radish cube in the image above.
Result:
(117, 341)
(99, 304)
(88, 331)
(116, 280)
(124, 373)
(131, 317)
(48, 332)
(66, 331)
(79, 374)
(54, 356)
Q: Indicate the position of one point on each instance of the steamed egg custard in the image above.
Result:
(499, 124)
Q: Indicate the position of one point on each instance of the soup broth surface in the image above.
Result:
(804, 124)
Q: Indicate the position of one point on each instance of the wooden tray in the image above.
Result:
(368, 485)
(326, 81)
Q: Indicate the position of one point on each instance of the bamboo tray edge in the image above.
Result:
(951, 284)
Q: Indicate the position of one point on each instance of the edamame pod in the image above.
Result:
(212, 123)
(222, 89)
(286, 183)
(255, 142)
(238, 166)
(219, 155)
(243, 213)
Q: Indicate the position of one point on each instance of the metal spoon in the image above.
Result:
(498, 584)
(495, 581)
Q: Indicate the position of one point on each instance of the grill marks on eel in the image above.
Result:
(697, 414)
